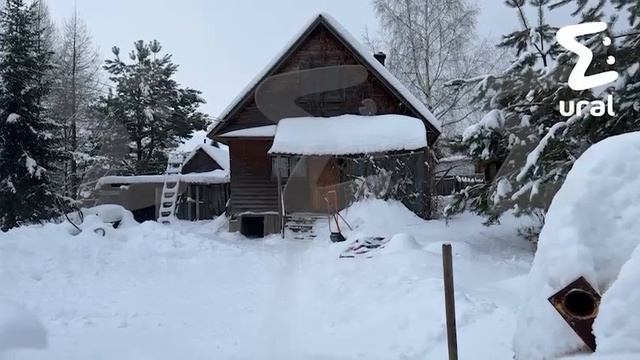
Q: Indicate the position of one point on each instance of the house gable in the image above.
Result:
(200, 162)
(323, 44)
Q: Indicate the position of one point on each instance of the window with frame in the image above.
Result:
(287, 165)
(280, 165)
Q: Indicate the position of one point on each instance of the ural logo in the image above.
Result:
(567, 38)
(578, 80)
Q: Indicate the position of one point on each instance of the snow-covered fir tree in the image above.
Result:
(27, 144)
(528, 147)
(626, 92)
(155, 110)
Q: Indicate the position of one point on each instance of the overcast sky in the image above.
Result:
(221, 45)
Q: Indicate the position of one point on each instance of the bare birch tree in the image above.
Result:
(77, 88)
(430, 42)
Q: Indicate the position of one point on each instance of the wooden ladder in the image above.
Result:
(170, 189)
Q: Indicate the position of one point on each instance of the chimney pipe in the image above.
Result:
(380, 56)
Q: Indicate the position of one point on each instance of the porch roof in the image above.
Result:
(206, 178)
(348, 135)
(260, 131)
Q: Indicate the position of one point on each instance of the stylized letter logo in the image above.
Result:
(567, 38)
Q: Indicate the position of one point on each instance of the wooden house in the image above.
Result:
(326, 82)
(203, 189)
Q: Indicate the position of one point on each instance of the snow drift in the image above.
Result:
(191, 290)
(617, 326)
(591, 230)
(380, 217)
(20, 329)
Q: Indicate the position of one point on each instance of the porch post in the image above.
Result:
(281, 213)
(188, 203)
(197, 202)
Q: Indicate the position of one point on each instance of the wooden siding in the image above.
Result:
(203, 201)
(133, 197)
(199, 163)
(252, 187)
(271, 224)
(144, 199)
(321, 49)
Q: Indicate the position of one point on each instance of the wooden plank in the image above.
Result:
(449, 300)
(201, 162)
(252, 186)
(197, 202)
(281, 210)
(188, 204)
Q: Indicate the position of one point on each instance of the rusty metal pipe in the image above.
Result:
(578, 305)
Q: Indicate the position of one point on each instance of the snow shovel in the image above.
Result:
(335, 236)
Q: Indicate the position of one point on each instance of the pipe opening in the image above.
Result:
(580, 304)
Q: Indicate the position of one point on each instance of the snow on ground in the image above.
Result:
(591, 230)
(193, 291)
(20, 329)
(617, 325)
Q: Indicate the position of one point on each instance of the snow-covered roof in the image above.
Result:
(348, 134)
(221, 156)
(219, 176)
(259, 131)
(360, 50)
(211, 177)
(196, 138)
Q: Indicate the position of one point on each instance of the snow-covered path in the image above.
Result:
(185, 291)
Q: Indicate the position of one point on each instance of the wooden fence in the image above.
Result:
(453, 184)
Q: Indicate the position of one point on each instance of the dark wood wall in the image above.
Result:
(253, 189)
(199, 163)
(320, 50)
(203, 201)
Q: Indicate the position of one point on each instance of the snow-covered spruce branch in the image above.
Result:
(519, 62)
(535, 154)
(532, 187)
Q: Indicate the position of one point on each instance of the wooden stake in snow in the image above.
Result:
(449, 301)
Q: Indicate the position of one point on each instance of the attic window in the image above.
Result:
(280, 165)
(334, 96)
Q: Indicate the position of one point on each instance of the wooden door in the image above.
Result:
(324, 176)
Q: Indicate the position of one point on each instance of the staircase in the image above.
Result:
(301, 225)
(169, 198)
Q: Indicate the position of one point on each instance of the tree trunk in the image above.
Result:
(74, 112)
